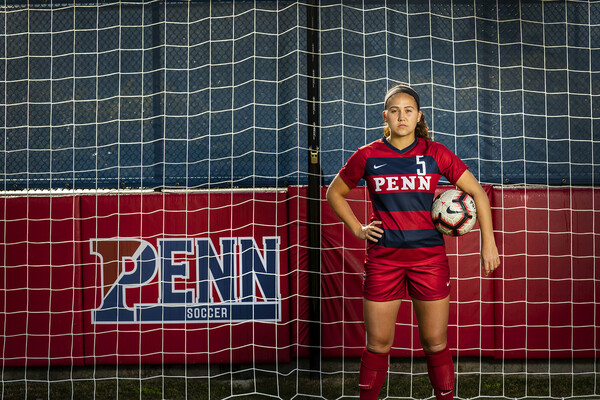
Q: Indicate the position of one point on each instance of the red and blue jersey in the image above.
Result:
(401, 185)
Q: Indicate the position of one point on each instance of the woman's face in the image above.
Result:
(401, 115)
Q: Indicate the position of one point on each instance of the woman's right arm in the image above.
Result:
(336, 196)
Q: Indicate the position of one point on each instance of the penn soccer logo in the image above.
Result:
(187, 280)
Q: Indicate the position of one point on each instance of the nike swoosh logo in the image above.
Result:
(450, 211)
(378, 166)
(445, 393)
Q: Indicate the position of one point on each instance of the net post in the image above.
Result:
(314, 189)
(158, 127)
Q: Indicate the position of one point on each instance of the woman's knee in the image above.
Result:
(378, 347)
(433, 344)
(379, 344)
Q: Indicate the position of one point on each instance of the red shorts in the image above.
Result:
(423, 282)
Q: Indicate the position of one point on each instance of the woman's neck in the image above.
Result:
(401, 142)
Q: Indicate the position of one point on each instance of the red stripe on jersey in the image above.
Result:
(380, 184)
(404, 257)
(405, 220)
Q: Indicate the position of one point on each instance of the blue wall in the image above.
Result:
(207, 94)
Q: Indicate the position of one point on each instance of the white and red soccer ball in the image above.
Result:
(453, 212)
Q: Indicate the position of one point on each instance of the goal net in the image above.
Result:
(165, 232)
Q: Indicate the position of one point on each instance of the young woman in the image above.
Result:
(405, 251)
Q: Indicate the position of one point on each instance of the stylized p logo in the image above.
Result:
(113, 254)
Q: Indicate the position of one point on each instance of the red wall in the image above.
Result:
(41, 293)
(541, 302)
(546, 302)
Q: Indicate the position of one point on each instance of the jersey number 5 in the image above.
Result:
(422, 164)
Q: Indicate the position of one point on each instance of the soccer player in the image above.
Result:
(406, 254)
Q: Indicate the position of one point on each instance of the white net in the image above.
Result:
(159, 238)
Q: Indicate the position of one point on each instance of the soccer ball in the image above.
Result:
(453, 212)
